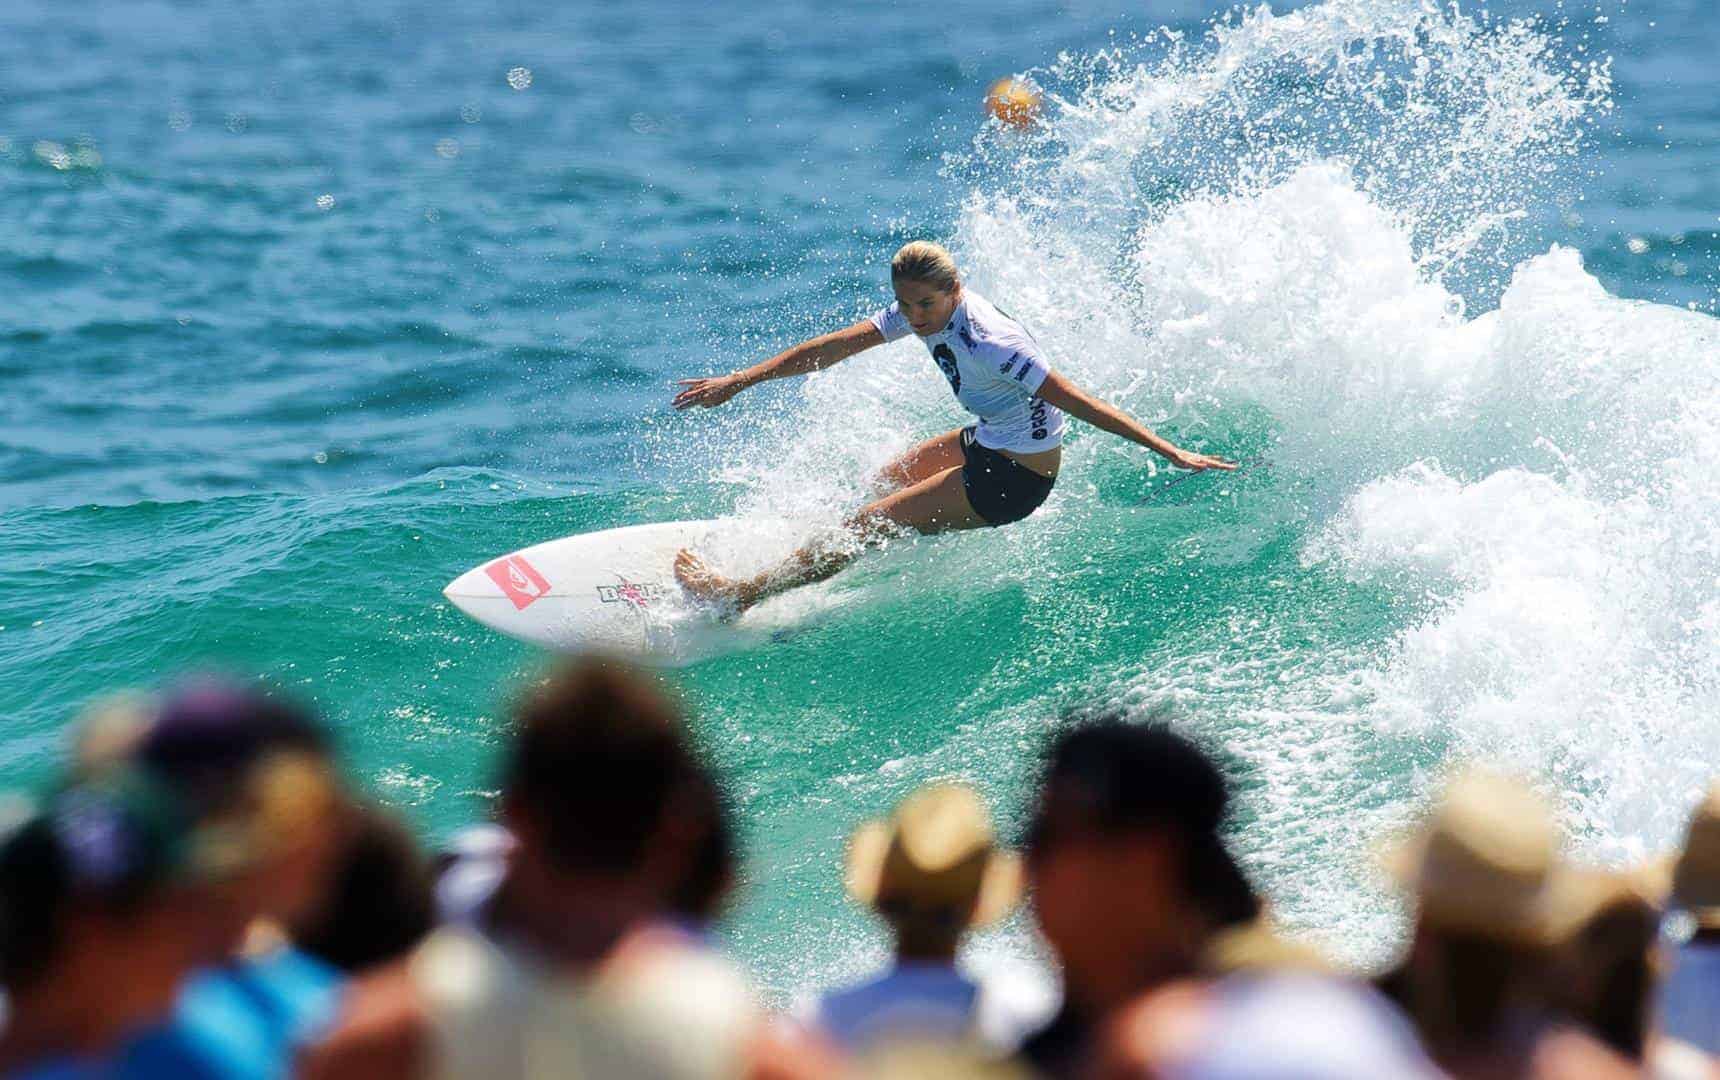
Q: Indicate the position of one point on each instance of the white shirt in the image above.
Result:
(1302, 1027)
(995, 369)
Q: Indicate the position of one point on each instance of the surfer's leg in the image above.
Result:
(933, 505)
(923, 462)
(936, 504)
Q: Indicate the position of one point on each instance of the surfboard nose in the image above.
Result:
(466, 591)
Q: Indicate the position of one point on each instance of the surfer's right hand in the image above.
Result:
(1184, 459)
(708, 392)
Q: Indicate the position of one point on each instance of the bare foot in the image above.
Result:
(703, 583)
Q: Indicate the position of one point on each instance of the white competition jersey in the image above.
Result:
(995, 368)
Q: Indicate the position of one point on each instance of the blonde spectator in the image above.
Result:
(932, 872)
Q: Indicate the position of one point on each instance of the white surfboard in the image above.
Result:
(615, 590)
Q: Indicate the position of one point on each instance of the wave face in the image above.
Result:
(1377, 249)
(1483, 513)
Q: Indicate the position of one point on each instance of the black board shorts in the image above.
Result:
(999, 489)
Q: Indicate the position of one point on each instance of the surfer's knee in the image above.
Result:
(869, 526)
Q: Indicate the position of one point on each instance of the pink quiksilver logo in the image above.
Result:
(518, 579)
(634, 594)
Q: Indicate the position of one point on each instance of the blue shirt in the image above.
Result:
(244, 1020)
(1690, 998)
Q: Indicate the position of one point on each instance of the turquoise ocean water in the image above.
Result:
(304, 310)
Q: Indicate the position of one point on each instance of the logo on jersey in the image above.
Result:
(519, 580)
(631, 594)
(1037, 418)
(947, 364)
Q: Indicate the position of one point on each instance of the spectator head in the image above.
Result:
(609, 805)
(256, 775)
(379, 902)
(1480, 870)
(933, 870)
(705, 888)
(1482, 864)
(99, 880)
(1696, 873)
(1129, 873)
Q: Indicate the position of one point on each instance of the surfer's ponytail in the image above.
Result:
(926, 262)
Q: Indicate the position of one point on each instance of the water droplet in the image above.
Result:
(1637, 245)
(448, 148)
(471, 112)
(432, 215)
(325, 202)
(179, 120)
(237, 122)
(520, 77)
(320, 457)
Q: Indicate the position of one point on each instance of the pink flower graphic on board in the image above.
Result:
(518, 579)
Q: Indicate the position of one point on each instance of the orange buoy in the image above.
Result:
(1013, 101)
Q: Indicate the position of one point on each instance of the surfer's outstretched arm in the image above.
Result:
(809, 356)
(1065, 395)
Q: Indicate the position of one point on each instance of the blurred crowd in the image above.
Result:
(202, 893)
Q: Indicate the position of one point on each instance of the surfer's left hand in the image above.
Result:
(1183, 459)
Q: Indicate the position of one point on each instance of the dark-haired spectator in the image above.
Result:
(100, 923)
(1483, 872)
(574, 943)
(1689, 1005)
(1129, 873)
(379, 903)
(932, 872)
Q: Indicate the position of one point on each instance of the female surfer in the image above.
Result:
(990, 473)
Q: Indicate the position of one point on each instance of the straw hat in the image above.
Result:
(1484, 861)
(1696, 874)
(935, 852)
(1260, 946)
(1578, 895)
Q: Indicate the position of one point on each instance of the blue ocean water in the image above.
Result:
(307, 309)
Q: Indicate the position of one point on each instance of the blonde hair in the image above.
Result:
(922, 260)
